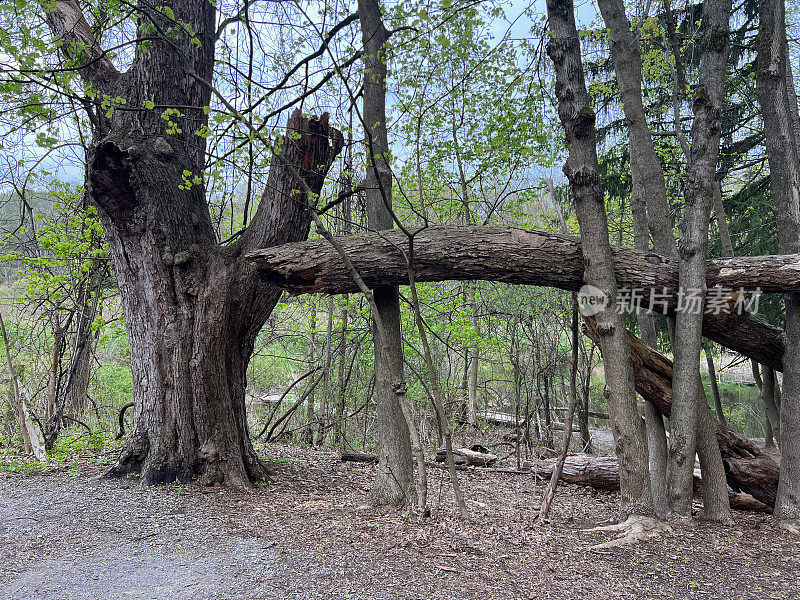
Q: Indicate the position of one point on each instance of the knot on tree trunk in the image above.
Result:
(110, 178)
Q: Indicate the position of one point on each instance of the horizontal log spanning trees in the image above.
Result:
(531, 258)
(497, 254)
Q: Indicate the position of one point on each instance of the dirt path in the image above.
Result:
(309, 536)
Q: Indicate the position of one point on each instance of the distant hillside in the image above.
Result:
(12, 209)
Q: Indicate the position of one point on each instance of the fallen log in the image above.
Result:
(465, 456)
(602, 472)
(359, 457)
(535, 258)
(462, 457)
(532, 258)
(747, 468)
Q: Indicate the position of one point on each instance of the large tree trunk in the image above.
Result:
(578, 120)
(777, 95)
(395, 477)
(192, 308)
(530, 258)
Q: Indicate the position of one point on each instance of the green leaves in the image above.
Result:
(108, 104)
(172, 126)
(190, 179)
(471, 117)
(68, 244)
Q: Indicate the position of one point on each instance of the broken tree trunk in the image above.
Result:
(747, 468)
(530, 258)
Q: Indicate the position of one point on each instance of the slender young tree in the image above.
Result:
(395, 478)
(578, 119)
(778, 98)
(771, 396)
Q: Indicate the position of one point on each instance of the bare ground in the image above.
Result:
(308, 535)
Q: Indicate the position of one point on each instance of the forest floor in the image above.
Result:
(309, 534)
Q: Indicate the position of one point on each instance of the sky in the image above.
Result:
(66, 164)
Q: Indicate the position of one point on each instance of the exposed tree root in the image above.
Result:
(209, 468)
(634, 529)
(792, 527)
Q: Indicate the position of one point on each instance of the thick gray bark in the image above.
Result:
(192, 308)
(692, 251)
(578, 120)
(776, 93)
(395, 477)
(649, 205)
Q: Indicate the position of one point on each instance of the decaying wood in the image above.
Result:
(359, 457)
(748, 469)
(531, 258)
(465, 456)
(504, 254)
(602, 472)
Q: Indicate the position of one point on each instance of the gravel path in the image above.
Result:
(309, 536)
(86, 538)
